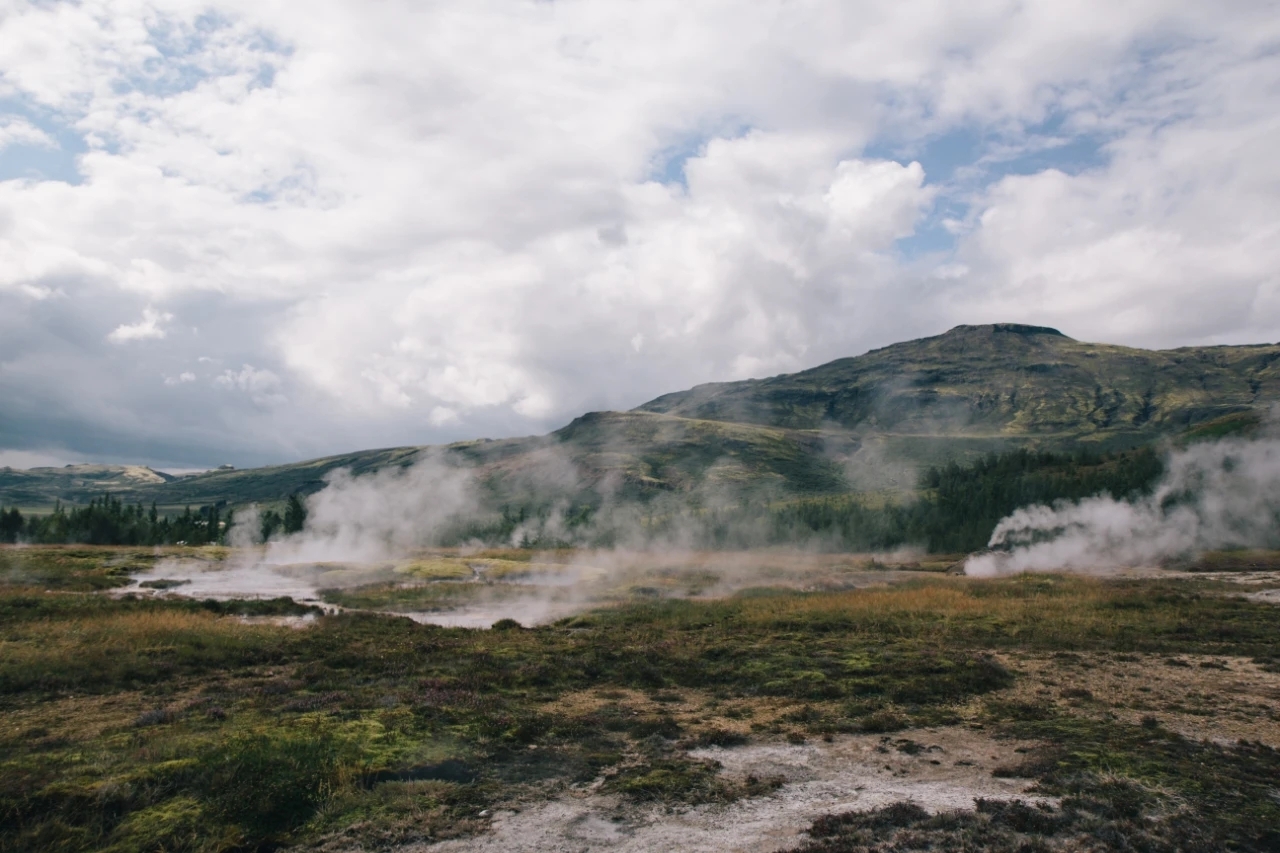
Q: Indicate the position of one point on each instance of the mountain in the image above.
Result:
(1002, 380)
(866, 423)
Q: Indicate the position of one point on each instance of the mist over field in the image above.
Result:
(1212, 495)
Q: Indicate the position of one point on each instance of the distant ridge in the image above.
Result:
(1015, 328)
(866, 422)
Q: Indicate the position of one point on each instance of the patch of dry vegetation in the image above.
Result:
(1202, 697)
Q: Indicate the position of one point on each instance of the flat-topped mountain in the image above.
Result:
(854, 424)
(1001, 380)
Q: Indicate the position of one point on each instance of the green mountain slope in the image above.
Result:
(857, 424)
(1001, 381)
(644, 450)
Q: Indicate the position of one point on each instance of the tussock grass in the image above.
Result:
(401, 597)
(1241, 560)
(1034, 611)
(85, 568)
(104, 650)
(436, 569)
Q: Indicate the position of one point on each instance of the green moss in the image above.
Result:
(1224, 792)
(179, 823)
(76, 569)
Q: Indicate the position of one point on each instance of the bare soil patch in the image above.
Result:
(938, 769)
(1217, 698)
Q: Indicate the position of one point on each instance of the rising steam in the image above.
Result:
(1220, 495)
(381, 514)
(362, 529)
(371, 530)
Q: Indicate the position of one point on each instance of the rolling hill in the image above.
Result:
(42, 486)
(856, 424)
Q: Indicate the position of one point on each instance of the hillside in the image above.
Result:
(866, 423)
(42, 486)
(1000, 381)
(633, 453)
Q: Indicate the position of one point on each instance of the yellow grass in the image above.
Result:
(436, 568)
(123, 635)
(1065, 606)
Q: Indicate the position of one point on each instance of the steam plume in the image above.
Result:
(1220, 495)
(381, 514)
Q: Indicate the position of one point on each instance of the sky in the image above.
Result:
(254, 231)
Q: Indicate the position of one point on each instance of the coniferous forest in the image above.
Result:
(961, 504)
(108, 521)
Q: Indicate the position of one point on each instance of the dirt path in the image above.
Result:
(938, 769)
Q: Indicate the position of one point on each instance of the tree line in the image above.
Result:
(961, 505)
(109, 521)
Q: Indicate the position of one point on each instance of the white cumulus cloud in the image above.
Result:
(261, 386)
(148, 328)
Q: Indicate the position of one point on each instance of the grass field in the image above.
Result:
(132, 723)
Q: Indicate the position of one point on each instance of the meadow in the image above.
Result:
(134, 722)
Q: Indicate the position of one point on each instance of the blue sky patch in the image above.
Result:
(966, 160)
(669, 167)
(28, 162)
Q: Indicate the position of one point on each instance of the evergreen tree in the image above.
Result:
(270, 522)
(213, 528)
(10, 525)
(295, 514)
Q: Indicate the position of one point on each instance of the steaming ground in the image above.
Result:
(1212, 496)
(454, 589)
(209, 579)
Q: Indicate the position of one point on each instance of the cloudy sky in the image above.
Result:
(249, 230)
